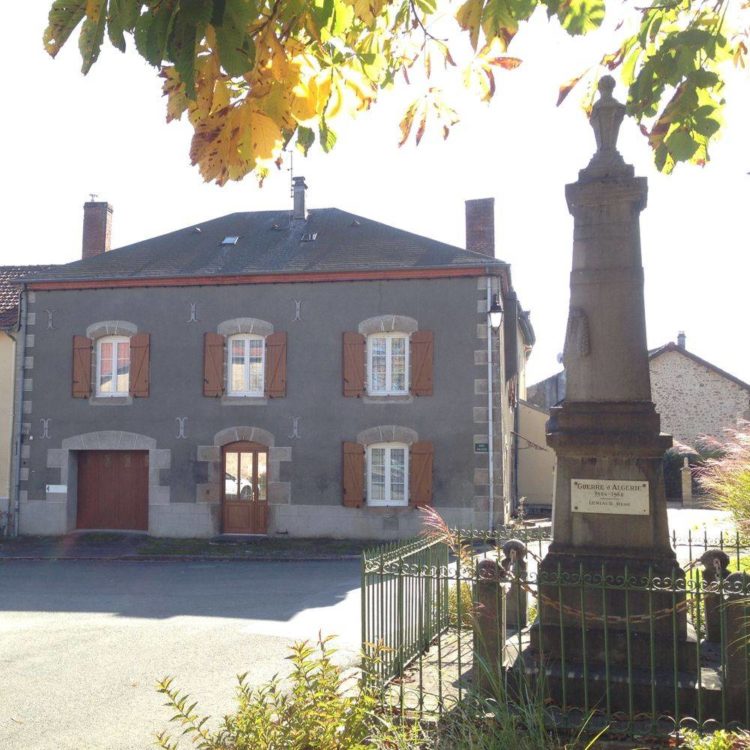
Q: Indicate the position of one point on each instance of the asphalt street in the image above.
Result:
(83, 643)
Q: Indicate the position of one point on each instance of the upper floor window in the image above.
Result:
(387, 474)
(113, 366)
(388, 364)
(245, 374)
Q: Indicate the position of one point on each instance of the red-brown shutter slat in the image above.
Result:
(420, 474)
(422, 348)
(353, 475)
(82, 347)
(140, 356)
(353, 364)
(213, 364)
(276, 365)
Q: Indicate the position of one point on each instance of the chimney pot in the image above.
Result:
(97, 228)
(480, 226)
(681, 339)
(298, 191)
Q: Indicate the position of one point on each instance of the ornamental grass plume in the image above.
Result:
(727, 477)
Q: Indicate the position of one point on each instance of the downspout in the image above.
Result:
(20, 341)
(490, 413)
(516, 432)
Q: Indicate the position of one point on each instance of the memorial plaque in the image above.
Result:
(481, 447)
(623, 496)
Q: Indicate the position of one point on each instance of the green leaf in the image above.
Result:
(236, 47)
(64, 16)
(152, 32)
(123, 15)
(305, 138)
(681, 145)
(92, 36)
(706, 126)
(181, 50)
(327, 137)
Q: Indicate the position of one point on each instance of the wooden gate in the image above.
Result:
(113, 490)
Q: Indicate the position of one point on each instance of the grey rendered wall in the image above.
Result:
(306, 461)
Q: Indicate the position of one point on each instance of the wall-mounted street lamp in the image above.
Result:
(495, 311)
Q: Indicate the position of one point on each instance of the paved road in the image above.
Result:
(82, 643)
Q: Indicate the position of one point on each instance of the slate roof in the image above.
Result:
(271, 243)
(9, 291)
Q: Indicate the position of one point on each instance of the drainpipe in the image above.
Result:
(20, 341)
(490, 414)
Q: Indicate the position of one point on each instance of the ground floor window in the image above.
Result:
(387, 474)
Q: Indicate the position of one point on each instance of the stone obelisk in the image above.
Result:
(609, 509)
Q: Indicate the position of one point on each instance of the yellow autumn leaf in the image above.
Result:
(173, 89)
(265, 135)
(469, 17)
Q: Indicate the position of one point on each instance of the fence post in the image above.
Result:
(715, 563)
(514, 564)
(489, 625)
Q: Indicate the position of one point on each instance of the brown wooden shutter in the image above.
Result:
(420, 474)
(213, 364)
(140, 356)
(82, 347)
(353, 364)
(353, 475)
(276, 365)
(421, 363)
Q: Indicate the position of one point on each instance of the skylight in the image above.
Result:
(309, 237)
(230, 240)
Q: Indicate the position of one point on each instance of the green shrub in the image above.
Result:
(318, 707)
(721, 740)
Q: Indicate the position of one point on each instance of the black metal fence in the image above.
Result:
(638, 649)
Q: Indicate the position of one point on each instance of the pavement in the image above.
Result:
(82, 643)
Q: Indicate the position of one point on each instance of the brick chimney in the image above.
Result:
(681, 339)
(298, 191)
(480, 226)
(97, 228)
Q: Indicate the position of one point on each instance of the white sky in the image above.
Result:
(66, 136)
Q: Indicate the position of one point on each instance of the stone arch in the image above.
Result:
(111, 328)
(244, 432)
(388, 323)
(245, 325)
(387, 434)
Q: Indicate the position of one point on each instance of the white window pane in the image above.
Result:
(105, 367)
(237, 376)
(256, 377)
(398, 488)
(123, 366)
(377, 474)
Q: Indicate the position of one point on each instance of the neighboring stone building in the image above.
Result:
(9, 331)
(693, 398)
(304, 373)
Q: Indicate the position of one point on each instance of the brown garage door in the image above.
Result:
(113, 490)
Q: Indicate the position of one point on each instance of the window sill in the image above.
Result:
(387, 509)
(111, 400)
(244, 400)
(405, 399)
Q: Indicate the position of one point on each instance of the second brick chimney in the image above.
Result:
(97, 228)
(480, 226)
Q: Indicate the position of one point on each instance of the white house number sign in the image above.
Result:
(621, 496)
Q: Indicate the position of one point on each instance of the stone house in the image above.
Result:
(311, 373)
(693, 398)
(10, 316)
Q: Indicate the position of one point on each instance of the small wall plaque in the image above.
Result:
(57, 488)
(620, 496)
(481, 447)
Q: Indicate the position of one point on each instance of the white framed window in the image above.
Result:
(246, 365)
(388, 474)
(388, 364)
(113, 366)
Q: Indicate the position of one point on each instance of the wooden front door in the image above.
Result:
(113, 490)
(245, 488)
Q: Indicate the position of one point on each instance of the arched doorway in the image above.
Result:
(244, 506)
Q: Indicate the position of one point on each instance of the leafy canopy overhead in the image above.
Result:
(254, 75)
